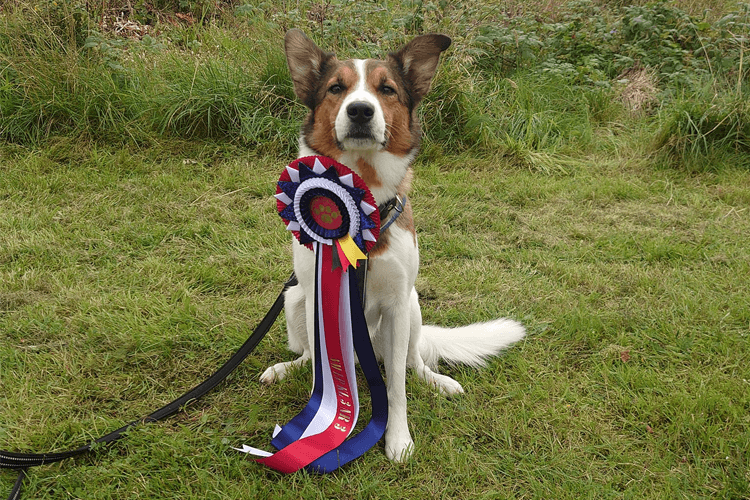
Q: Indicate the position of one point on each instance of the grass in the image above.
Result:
(139, 246)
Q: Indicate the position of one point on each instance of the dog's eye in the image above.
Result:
(387, 90)
(335, 89)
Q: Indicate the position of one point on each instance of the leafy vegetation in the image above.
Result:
(220, 74)
(585, 169)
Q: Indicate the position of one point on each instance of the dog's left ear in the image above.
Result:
(418, 60)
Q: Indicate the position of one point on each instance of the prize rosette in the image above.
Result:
(323, 201)
(330, 210)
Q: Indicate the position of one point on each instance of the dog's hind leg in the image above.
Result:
(294, 309)
(445, 384)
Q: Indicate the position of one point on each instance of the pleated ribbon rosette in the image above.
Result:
(331, 211)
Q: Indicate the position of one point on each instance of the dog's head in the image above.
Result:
(362, 105)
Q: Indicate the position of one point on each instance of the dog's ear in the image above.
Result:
(417, 62)
(307, 63)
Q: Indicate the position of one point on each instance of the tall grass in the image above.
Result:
(703, 130)
(133, 90)
(519, 86)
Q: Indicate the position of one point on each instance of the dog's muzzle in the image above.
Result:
(360, 123)
(360, 117)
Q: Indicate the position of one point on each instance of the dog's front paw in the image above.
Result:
(278, 371)
(274, 373)
(399, 449)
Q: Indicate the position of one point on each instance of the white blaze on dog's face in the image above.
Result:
(360, 121)
(363, 111)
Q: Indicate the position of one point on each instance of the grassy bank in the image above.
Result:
(585, 170)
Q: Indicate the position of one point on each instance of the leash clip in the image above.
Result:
(398, 207)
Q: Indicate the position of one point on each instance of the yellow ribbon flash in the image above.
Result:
(350, 250)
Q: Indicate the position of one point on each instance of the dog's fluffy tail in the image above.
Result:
(470, 345)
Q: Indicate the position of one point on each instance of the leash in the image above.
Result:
(22, 461)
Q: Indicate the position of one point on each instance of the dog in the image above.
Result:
(363, 114)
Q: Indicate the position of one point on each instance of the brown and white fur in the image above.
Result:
(363, 114)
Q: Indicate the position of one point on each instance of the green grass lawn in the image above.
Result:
(135, 259)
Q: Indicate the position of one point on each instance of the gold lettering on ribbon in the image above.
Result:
(344, 413)
(339, 380)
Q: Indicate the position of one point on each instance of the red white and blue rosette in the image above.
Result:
(323, 201)
(331, 211)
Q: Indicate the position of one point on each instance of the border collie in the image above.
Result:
(363, 113)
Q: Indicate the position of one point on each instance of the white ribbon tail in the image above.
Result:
(253, 451)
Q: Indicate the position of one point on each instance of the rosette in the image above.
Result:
(323, 201)
(330, 210)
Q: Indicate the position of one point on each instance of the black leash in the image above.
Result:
(22, 461)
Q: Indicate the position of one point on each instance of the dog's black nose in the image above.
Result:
(360, 112)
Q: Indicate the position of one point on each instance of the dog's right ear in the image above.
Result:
(307, 64)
